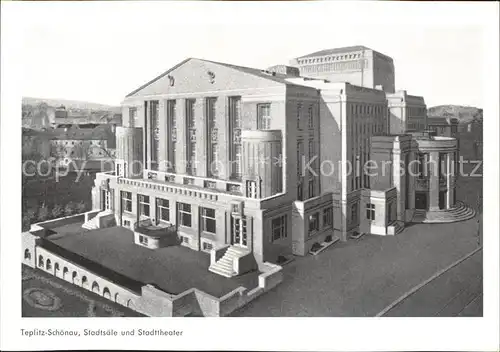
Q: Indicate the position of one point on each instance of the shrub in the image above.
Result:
(316, 247)
(81, 207)
(70, 209)
(57, 211)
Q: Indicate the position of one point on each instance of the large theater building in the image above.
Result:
(252, 165)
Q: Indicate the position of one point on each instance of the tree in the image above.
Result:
(57, 211)
(31, 214)
(26, 222)
(43, 213)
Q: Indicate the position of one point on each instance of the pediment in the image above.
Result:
(196, 75)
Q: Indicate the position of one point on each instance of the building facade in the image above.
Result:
(253, 165)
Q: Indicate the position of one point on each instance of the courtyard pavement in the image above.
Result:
(173, 269)
(361, 277)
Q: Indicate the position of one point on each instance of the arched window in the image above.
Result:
(27, 254)
(95, 287)
(106, 293)
(65, 272)
(48, 266)
(56, 267)
(84, 280)
(40, 261)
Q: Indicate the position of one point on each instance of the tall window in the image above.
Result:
(237, 160)
(251, 189)
(299, 113)
(310, 117)
(370, 211)
(327, 217)
(354, 213)
(162, 209)
(300, 190)
(313, 223)
(184, 212)
(421, 165)
(143, 205)
(264, 116)
(126, 201)
(212, 137)
(311, 185)
(311, 151)
(191, 136)
(208, 220)
(235, 135)
(172, 132)
(279, 227)
(300, 154)
(132, 112)
(154, 110)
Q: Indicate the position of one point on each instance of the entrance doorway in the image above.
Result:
(239, 232)
(442, 199)
(421, 200)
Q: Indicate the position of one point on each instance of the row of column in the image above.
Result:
(434, 180)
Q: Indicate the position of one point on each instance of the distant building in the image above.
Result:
(75, 143)
(443, 126)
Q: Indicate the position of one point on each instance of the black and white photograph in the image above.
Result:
(249, 160)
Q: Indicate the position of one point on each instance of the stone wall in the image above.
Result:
(149, 300)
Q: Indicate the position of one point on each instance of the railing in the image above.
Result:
(155, 230)
(167, 187)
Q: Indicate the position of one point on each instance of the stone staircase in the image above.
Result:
(418, 216)
(224, 266)
(104, 218)
(92, 224)
(395, 227)
(460, 212)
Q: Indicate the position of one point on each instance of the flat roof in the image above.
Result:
(173, 269)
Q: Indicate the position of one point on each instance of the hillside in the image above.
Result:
(71, 104)
(464, 114)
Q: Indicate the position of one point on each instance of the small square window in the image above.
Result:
(207, 246)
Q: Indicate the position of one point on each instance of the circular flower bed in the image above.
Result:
(42, 299)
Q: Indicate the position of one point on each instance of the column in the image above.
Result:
(147, 131)
(228, 232)
(145, 126)
(450, 187)
(434, 181)
(411, 183)
(398, 179)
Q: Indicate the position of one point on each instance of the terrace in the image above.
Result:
(173, 269)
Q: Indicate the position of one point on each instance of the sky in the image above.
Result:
(99, 54)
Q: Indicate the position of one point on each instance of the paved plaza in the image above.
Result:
(361, 277)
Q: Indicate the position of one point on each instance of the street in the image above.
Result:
(457, 292)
